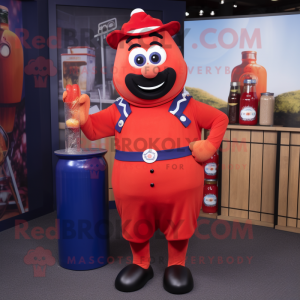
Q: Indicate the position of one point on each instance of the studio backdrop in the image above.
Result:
(213, 52)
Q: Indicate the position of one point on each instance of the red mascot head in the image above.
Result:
(149, 68)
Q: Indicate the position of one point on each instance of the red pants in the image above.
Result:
(172, 205)
(176, 250)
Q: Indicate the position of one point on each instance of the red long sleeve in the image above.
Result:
(211, 118)
(101, 124)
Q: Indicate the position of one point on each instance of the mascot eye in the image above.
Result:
(4, 50)
(140, 60)
(157, 55)
(155, 58)
(137, 57)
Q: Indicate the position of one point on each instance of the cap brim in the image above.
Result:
(116, 36)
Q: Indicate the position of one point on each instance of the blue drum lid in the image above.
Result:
(85, 153)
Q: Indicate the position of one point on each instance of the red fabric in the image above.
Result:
(153, 122)
(173, 204)
(137, 21)
(177, 252)
(141, 254)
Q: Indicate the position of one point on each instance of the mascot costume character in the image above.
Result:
(156, 127)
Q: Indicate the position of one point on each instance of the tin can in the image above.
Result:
(82, 209)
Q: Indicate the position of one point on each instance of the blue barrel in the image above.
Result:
(82, 209)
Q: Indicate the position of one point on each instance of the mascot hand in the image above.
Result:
(202, 150)
(71, 94)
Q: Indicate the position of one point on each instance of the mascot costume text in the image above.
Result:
(155, 126)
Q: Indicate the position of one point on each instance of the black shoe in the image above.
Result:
(133, 278)
(178, 280)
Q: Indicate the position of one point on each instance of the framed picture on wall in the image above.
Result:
(13, 139)
(231, 49)
(85, 58)
(26, 189)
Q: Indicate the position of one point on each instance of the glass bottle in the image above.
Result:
(211, 167)
(210, 197)
(234, 102)
(266, 111)
(248, 103)
(11, 72)
(250, 69)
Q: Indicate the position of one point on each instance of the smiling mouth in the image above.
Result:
(153, 88)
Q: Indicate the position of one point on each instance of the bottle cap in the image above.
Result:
(267, 94)
(210, 181)
(249, 81)
(253, 81)
(249, 55)
(234, 83)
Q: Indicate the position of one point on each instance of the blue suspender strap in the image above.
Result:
(125, 111)
(178, 106)
(161, 155)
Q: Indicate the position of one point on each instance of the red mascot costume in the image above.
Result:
(156, 127)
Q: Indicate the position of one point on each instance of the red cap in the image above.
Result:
(140, 24)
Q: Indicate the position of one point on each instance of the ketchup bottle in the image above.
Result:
(250, 69)
(11, 72)
(210, 197)
(248, 103)
(211, 167)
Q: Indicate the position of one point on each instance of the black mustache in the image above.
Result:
(168, 76)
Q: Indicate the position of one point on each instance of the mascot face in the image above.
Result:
(149, 69)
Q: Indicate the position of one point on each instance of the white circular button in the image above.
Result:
(4, 50)
(183, 118)
(150, 156)
(121, 123)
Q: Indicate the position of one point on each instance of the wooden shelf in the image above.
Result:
(287, 228)
(210, 216)
(242, 220)
(260, 176)
(264, 128)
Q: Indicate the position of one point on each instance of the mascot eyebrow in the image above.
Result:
(156, 34)
(138, 37)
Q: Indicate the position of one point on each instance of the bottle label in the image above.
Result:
(248, 113)
(210, 200)
(210, 169)
(232, 104)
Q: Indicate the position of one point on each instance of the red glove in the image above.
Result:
(202, 150)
